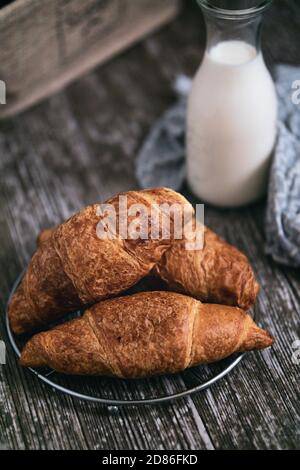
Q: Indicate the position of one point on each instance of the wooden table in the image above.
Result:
(79, 147)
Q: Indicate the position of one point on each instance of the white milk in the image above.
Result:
(231, 124)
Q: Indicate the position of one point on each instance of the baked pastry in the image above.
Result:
(75, 267)
(145, 334)
(215, 273)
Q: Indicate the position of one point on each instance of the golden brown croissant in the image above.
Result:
(74, 267)
(217, 273)
(145, 334)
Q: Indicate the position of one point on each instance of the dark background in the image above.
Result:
(79, 147)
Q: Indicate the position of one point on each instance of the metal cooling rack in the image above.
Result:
(114, 392)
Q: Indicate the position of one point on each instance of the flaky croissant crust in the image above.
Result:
(73, 267)
(143, 335)
(217, 273)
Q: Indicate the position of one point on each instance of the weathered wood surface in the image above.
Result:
(79, 147)
(75, 35)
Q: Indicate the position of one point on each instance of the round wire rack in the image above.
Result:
(115, 392)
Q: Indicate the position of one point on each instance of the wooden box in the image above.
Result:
(45, 44)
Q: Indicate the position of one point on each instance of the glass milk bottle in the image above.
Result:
(232, 108)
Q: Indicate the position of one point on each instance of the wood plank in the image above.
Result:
(76, 36)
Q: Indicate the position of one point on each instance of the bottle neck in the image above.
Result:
(243, 30)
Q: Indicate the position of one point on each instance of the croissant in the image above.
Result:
(75, 267)
(216, 273)
(145, 334)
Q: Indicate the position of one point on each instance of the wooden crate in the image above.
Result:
(45, 44)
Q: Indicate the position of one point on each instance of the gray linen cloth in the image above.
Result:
(161, 162)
